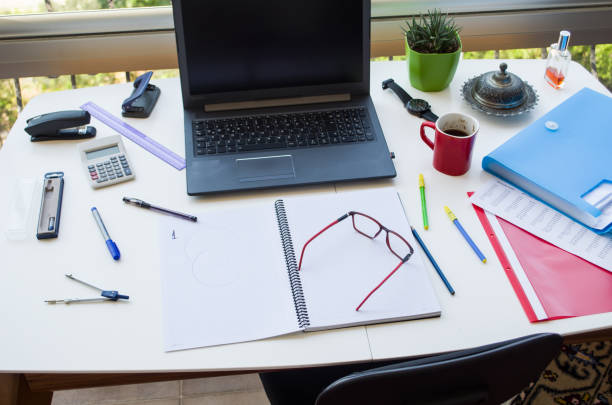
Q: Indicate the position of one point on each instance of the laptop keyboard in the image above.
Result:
(282, 131)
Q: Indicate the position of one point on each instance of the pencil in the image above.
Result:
(465, 235)
(423, 202)
(433, 262)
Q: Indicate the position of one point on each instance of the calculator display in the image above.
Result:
(102, 152)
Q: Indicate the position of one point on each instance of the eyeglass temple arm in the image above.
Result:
(378, 286)
(317, 234)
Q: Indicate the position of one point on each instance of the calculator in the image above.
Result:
(105, 161)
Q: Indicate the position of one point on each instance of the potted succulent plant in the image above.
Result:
(433, 49)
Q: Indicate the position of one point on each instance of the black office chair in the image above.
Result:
(484, 375)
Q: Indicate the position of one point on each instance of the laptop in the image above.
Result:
(276, 93)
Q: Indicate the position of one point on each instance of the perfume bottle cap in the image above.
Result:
(563, 40)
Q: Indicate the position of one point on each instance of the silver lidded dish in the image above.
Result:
(499, 93)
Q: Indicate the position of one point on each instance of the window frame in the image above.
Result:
(143, 38)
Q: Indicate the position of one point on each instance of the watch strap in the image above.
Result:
(401, 93)
(430, 116)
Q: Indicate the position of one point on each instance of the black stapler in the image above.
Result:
(142, 100)
(60, 125)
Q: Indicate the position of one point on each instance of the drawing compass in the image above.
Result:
(105, 295)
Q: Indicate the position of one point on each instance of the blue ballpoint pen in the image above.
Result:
(112, 247)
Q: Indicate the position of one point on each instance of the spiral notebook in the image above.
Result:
(232, 276)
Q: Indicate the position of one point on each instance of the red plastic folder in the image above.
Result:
(564, 284)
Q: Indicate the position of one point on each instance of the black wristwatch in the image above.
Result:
(415, 106)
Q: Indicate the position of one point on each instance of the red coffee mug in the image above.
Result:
(453, 143)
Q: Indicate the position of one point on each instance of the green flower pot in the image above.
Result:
(431, 71)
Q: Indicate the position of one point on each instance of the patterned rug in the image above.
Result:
(580, 375)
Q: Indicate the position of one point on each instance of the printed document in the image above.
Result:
(537, 218)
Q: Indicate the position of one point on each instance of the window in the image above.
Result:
(43, 6)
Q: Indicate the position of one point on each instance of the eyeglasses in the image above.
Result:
(371, 228)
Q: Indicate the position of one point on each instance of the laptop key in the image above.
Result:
(249, 147)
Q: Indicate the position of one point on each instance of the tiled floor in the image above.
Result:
(231, 390)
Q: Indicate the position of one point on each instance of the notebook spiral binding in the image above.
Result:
(292, 269)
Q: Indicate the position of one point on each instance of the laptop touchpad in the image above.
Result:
(265, 168)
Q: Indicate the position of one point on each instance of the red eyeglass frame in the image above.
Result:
(380, 229)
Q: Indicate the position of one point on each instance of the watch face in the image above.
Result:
(418, 106)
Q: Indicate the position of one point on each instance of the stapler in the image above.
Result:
(143, 98)
(60, 125)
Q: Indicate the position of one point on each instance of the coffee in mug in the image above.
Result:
(455, 132)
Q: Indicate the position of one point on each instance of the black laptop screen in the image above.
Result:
(242, 45)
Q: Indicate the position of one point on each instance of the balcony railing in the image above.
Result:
(143, 38)
(114, 40)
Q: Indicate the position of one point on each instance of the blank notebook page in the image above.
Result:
(224, 278)
(341, 266)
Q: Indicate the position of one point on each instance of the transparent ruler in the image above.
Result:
(135, 135)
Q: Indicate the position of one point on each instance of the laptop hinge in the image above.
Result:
(276, 102)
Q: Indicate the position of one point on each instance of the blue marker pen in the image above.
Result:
(112, 247)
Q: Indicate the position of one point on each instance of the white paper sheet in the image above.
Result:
(341, 266)
(224, 278)
(537, 218)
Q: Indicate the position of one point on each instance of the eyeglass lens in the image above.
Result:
(398, 245)
(366, 225)
(371, 228)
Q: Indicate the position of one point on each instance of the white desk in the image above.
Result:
(127, 337)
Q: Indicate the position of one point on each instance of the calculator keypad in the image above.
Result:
(114, 168)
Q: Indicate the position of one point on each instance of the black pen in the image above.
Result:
(146, 205)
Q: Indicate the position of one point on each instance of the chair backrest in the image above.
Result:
(484, 375)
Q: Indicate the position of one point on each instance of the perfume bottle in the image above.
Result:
(558, 61)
